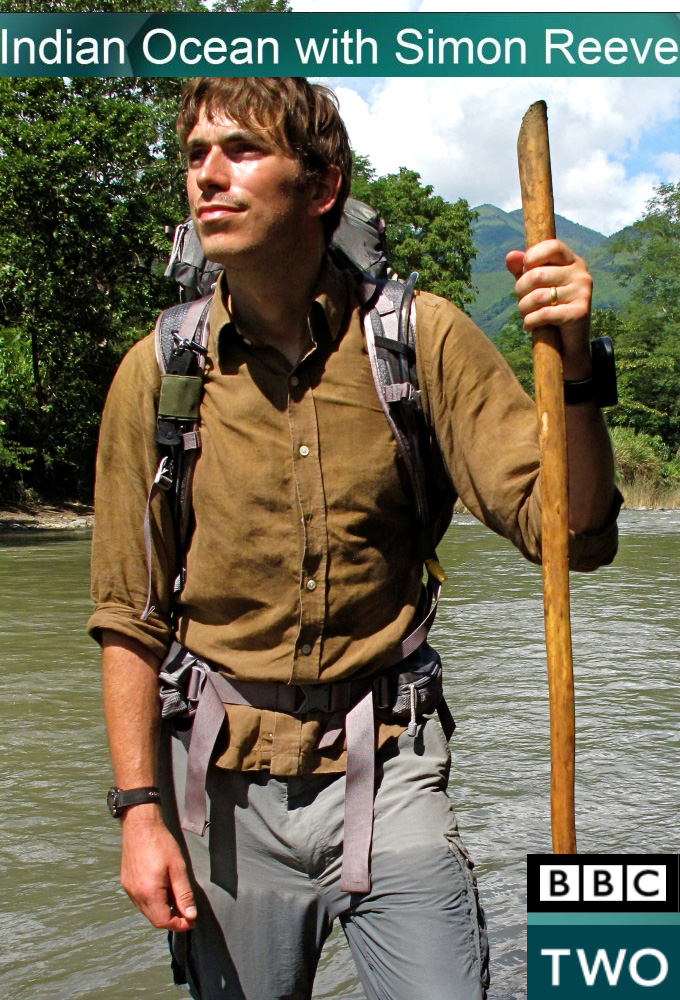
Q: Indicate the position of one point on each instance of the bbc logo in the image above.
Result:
(600, 883)
(606, 882)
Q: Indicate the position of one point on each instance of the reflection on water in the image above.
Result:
(67, 929)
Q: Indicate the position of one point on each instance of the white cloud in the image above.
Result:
(669, 166)
(460, 135)
(598, 188)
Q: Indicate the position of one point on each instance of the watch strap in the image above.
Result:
(579, 391)
(120, 799)
(600, 387)
(604, 371)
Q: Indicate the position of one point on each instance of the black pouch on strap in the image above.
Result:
(412, 688)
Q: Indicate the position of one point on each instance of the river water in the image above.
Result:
(68, 931)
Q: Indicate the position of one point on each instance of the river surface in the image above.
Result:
(68, 932)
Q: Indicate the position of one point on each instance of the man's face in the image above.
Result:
(245, 195)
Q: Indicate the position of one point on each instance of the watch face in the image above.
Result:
(112, 801)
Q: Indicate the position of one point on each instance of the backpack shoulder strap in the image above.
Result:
(390, 332)
(180, 327)
(389, 328)
(181, 340)
(389, 320)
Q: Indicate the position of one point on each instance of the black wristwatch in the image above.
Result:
(600, 387)
(118, 800)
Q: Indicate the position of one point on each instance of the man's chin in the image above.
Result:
(221, 251)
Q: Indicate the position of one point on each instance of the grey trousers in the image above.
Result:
(267, 872)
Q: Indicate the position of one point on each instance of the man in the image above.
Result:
(303, 569)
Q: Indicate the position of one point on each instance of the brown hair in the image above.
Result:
(302, 120)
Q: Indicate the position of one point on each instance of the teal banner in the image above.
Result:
(592, 959)
(370, 44)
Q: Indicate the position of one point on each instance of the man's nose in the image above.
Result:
(215, 170)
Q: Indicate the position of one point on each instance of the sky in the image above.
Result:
(612, 139)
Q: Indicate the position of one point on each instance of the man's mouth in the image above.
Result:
(218, 211)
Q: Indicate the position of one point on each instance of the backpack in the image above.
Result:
(181, 336)
(358, 245)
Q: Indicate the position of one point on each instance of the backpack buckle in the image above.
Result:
(314, 698)
(181, 689)
(182, 345)
(414, 396)
(163, 476)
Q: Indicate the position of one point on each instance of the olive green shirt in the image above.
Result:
(303, 566)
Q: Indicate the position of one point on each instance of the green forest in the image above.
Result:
(91, 176)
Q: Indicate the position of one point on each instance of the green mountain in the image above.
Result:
(496, 232)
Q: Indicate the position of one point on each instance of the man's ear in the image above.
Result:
(324, 191)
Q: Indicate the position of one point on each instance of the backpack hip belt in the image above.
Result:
(409, 686)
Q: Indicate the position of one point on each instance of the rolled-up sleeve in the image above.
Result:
(486, 429)
(127, 460)
(589, 551)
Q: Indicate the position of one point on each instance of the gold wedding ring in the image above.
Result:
(553, 296)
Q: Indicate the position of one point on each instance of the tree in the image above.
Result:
(424, 232)
(87, 180)
(100, 7)
(646, 422)
(647, 341)
(89, 176)
(150, 6)
(252, 6)
(651, 268)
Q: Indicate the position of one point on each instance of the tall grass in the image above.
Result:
(648, 471)
(641, 494)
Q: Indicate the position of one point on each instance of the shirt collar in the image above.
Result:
(220, 315)
(332, 295)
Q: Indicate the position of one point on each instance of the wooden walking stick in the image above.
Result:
(539, 224)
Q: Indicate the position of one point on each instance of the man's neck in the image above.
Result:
(270, 300)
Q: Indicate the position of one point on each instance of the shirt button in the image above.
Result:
(306, 649)
(294, 380)
(304, 451)
(311, 584)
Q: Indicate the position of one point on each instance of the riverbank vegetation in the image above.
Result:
(90, 177)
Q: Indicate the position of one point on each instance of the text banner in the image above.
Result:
(370, 44)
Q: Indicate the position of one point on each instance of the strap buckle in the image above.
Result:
(163, 476)
(314, 698)
(181, 690)
(182, 345)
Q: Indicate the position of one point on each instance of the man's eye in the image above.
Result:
(246, 149)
